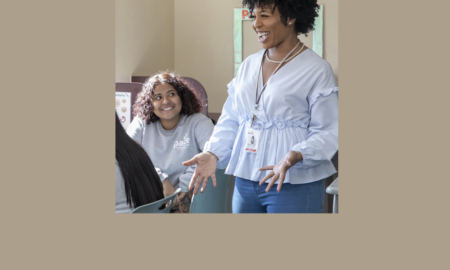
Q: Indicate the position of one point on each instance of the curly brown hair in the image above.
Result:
(190, 102)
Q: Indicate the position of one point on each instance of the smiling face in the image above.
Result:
(167, 105)
(271, 31)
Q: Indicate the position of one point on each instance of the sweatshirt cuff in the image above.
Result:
(183, 186)
(162, 176)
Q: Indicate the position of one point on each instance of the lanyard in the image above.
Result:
(264, 87)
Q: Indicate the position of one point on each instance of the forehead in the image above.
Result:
(163, 88)
(265, 8)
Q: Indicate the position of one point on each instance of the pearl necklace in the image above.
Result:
(277, 62)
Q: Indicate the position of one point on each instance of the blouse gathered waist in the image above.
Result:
(259, 124)
(277, 138)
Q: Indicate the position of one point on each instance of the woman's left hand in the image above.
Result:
(181, 197)
(280, 169)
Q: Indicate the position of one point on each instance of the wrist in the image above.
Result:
(298, 156)
(213, 155)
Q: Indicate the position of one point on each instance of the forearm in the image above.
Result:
(185, 178)
(222, 140)
(168, 188)
(224, 134)
(322, 141)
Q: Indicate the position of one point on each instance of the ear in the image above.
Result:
(291, 22)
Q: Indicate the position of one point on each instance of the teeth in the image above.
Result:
(166, 109)
(263, 33)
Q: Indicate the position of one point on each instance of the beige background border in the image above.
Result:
(57, 68)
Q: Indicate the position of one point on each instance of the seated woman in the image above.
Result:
(137, 182)
(169, 126)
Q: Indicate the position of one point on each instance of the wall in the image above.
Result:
(204, 43)
(194, 38)
(144, 37)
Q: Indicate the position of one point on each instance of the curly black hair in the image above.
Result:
(190, 101)
(304, 11)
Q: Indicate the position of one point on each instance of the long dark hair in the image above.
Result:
(142, 183)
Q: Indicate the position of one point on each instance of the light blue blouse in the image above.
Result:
(298, 111)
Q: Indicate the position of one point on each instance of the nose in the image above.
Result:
(256, 22)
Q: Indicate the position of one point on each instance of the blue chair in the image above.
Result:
(154, 207)
(213, 199)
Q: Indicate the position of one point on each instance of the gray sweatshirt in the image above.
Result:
(169, 148)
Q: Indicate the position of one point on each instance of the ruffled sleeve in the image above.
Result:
(322, 141)
(203, 129)
(224, 134)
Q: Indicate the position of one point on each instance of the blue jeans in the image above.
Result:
(250, 197)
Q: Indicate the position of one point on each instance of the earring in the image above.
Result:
(290, 23)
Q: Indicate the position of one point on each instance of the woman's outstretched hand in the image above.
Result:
(206, 167)
(280, 169)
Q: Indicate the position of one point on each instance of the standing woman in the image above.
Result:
(286, 97)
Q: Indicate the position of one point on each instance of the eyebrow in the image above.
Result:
(159, 94)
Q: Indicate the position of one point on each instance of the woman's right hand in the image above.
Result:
(206, 167)
(168, 190)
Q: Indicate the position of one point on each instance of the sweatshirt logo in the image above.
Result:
(182, 144)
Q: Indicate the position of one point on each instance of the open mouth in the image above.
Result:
(262, 36)
(167, 109)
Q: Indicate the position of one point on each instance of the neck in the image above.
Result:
(278, 52)
(170, 124)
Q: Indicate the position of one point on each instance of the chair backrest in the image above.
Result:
(154, 207)
(333, 188)
(213, 199)
(196, 84)
(133, 88)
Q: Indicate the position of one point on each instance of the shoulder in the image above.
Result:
(196, 118)
(247, 67)
(253, 59)
(315, 62)
(137, 122)
(199, 120)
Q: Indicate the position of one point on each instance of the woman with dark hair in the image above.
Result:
(286, 97)
(171, 129)
(137, 182)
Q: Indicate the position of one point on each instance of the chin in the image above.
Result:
(267, 46)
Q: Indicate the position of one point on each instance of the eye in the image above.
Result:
(157, 98)
(171, 94)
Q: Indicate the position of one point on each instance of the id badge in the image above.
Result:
(252, 140)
